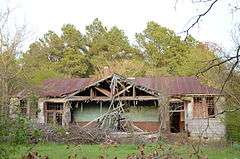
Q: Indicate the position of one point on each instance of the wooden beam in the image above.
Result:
(103, 91)
(81, 109)
(104, 98)
(121, 84)
(91, 93)
(100, 106)
(134, 91)
(56, 100)
(122, 91)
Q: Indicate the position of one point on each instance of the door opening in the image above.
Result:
(174, 122)
(177, 123)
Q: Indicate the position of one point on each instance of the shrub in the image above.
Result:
(233, 126)
(19, 130)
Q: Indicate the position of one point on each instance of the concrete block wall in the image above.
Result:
(213, 128)
(209, 128)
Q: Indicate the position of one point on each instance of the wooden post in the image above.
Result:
(66, 116)
(28, 109)
(81, 109)
(204, 107)
(54, 118)
(134, 92)
(91, 93)
(163, 116)
(101, 107)
(41, 117)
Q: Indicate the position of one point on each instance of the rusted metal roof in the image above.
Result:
(170, 85)
(61, 87)
(176, 85)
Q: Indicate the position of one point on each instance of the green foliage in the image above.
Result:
(166, 54)
(233, 127)
(56, 151)
(108, 47)
(18, 130)
(198, 58)
(42, 74)
(162, 47)
(54, 56)
(159, 51)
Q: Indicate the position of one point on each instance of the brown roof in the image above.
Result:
(176, 85)
(170, 85)
(61, 87)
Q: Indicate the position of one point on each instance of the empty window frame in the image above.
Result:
(54, 113)
(54, 106)
(197, 100)
(176, 106)
(58, 118)
(50, 117)
(23, 107)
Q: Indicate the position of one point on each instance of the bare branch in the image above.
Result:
(200, 16)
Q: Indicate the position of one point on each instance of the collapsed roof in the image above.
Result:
(170, 85)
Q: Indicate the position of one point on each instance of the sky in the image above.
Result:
(129, 15)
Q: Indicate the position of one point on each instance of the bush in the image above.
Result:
(233, 126)
(18, 130)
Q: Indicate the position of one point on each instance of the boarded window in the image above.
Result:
(211, 106)
(199, 107)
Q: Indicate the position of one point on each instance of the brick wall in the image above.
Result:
(147, 126)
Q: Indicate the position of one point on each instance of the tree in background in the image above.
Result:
(159, 51)
(58, 56)
(76, 55)
(11, 74)
(166, 54)
(111, 48)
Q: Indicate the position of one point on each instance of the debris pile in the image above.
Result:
(74, 134)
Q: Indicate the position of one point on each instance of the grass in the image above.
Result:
(62, 151)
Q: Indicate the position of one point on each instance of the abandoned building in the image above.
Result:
(175, 104)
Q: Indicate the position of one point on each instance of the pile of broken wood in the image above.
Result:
(74, 134)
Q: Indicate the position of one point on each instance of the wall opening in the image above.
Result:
(177, 116)
(175, 122)
(23, 107)
(53, 113)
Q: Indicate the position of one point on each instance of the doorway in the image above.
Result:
(177, 123)
(174, 122)
(177, 116)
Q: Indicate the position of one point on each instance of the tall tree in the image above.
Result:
(10, 69)
(165, 52)
(108, 47)
(58, 55)
(162, 47)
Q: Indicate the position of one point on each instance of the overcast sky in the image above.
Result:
(129, 15)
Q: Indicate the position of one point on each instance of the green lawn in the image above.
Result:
(62, 151)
